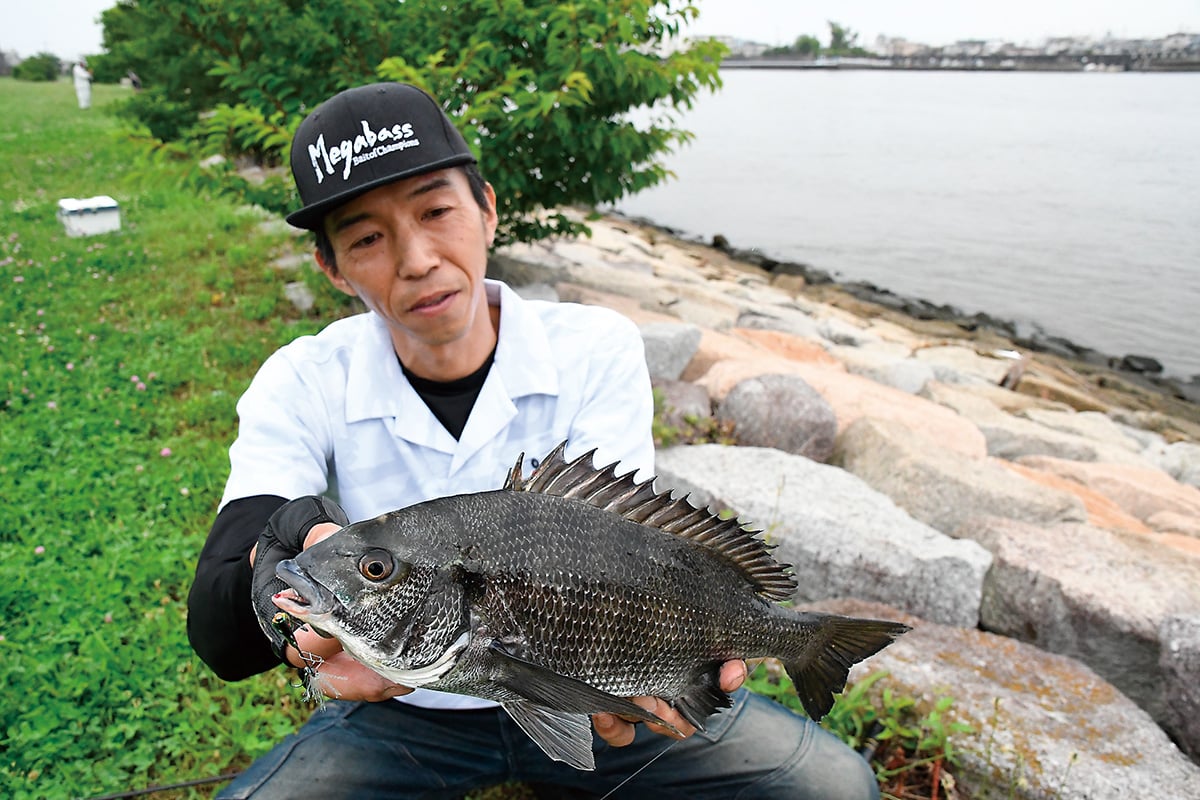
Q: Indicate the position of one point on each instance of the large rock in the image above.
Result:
(1175, 522)
(852, 397)
(1180, 460)
(1101, 512)
(789, 346)
(686, 407)
(670, 347)
(843, 538)
(1141, 491)
(1180, 664)
(1089, 424)
(783, 412)
(889, 363)
(970, 398)
(965, 360)
(1052, 387)
(717, 347)
(1010, 436)
(791, 321)
(1088, 593)
(1042, 726)
(945, 488)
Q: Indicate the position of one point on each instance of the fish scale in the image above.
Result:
(563, 594)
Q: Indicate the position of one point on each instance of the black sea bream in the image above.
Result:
(561, 594)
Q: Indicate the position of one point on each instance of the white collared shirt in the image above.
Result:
(333, 414)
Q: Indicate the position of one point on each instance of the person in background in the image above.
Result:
(434, 391)
(83, 83)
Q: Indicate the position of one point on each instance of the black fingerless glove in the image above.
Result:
(283, 538)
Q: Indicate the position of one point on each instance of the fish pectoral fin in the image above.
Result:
(546, 687)
(699, 702)
(562, 735)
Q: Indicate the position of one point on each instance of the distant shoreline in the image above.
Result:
(1182, 388)
(1115, 63)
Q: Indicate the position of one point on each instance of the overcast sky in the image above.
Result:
(69, 28)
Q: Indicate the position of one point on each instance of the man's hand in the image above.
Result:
(618, 731)
(322, 530)
(339, 675)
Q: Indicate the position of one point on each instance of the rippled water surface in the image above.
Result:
(1065, 201)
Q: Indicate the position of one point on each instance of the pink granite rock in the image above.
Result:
(1143, 492)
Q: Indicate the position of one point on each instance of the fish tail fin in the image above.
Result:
(821, 667)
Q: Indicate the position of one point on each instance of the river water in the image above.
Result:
(1068, 203)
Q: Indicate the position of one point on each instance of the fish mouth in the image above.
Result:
(305, 599)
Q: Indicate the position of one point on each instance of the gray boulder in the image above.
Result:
(907, 375)
(669, 348)
(1091, 425)
(783, 412)
(1012, 437)
(779, 318)
(1180, 460)
(843, 538)
(1180, 665)
(1043, 726)
(1097, 596)
(1142, 491)
(684, 405)
(945, 488)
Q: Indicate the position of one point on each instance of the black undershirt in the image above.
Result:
(451, 401)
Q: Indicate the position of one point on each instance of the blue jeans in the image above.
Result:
(372, 751)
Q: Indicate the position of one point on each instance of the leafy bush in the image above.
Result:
(912, 752)
(540, 89)
(42, 67)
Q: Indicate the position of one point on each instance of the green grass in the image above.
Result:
(123, 357)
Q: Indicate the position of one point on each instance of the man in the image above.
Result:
(434, 392)
(83, 83)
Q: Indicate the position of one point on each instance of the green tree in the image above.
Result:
(805, 45)
(843, 41)
(41, 67)
(542, 89)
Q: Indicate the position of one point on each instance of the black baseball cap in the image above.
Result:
(365, 137)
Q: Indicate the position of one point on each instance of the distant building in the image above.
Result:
(1180, 45)
(974, 48)
(743, 48)
(898, 47)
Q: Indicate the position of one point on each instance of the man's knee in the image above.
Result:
(842, 774)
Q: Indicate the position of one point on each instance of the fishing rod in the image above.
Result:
(166, 787)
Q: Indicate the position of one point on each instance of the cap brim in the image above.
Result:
(310, 217)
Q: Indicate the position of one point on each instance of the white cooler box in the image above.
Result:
(89, 216)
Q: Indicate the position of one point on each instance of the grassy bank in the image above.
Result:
(124, 355)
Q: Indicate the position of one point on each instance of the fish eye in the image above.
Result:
(378, 565)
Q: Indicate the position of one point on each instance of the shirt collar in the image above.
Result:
(376, 387)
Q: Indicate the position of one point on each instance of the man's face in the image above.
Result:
(415, 252)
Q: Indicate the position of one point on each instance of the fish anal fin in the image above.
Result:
(820, 671)
(702, 699)
(544, 687)
(563, 736)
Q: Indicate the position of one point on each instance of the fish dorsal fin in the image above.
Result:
(638, 502)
